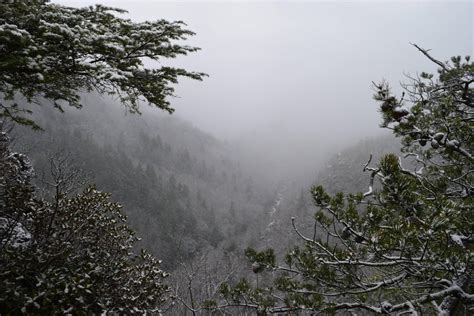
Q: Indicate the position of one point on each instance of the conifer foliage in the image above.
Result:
(404, 246)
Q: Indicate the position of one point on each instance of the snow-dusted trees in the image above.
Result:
(73, 253)
(404, 246)
(53, 52)
(70, 254)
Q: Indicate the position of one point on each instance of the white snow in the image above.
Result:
(458, 239)
(438, 136)
(452, 143)
(18, 236)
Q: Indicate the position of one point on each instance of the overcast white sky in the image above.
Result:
(302, 71)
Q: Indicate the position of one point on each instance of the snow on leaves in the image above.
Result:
(55, 52)
(69, 254)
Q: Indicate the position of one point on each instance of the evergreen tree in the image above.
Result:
(404, 246)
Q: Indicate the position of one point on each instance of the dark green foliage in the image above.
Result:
(406, 245)
(70, 254)
(74, 254)
(54, 52)
(260, 260)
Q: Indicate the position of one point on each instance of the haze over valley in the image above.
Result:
(223, 193)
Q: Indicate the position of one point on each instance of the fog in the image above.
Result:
(272, 189)
(293, 79)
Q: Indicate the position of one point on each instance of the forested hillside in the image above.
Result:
(182, 189)
(284, 206)
(342, 172)
(185, 192)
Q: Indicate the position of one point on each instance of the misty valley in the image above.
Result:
(280, 180)
(192, 199)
